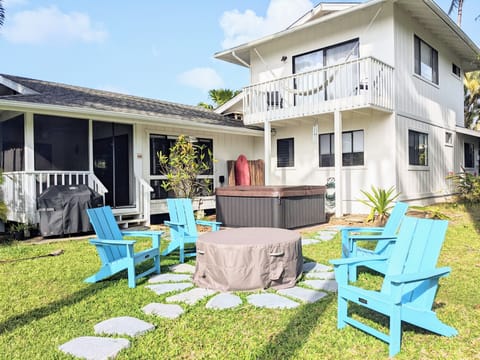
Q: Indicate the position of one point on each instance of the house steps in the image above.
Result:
(128, 220)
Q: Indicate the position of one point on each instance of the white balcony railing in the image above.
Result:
(358, 83)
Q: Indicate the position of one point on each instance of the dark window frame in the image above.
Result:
(418, 60)
(349, 158)
(286, 146)
(456, 70)
(468, 155)
(417, 156)
(156, 178)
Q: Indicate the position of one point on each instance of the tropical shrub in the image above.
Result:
(467, 186)
(3, 206)
(380, 202)
(182, 166)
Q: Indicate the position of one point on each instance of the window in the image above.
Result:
(352, 149)
(60, 143)
(456, 70)
(163, 143)
(12, 144)
(285, 153)
(319, 59)
(468, 153)
(417, 148)
(426, 60)
(448, 138)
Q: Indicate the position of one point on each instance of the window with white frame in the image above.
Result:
(448, 138)
(469, 154)
(352, 149)
(417, 148)
(285, 152)
(426, 60)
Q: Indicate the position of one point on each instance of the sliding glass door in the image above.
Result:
(112, 161)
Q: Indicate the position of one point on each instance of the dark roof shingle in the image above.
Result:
(52, 93)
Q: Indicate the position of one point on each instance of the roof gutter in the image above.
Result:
(172, 120)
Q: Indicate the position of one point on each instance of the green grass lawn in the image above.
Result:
(45, 303)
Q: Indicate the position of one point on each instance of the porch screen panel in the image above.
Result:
(60, 143)
(12, 144)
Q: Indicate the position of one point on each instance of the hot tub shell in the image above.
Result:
(270, 206)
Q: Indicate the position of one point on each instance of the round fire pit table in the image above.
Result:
(248, 259)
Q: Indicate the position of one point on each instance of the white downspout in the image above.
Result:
(337, 125)
(267, 143)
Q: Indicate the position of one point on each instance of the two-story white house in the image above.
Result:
(369, 94)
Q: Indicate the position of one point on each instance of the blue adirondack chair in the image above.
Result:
(183, 226)
(409, 286)
(117, 254)
(384, 237)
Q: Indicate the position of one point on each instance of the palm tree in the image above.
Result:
(219, 97)
(471, 85)
(2, 13)
(457, 4)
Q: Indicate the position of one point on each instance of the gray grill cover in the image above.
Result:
(248, 259)
(62, 209)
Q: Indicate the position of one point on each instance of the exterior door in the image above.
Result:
(112, 161)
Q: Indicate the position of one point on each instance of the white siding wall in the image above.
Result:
(428, 108)
(379, 155)
(225, 147)
(326, 34)
(440, 104)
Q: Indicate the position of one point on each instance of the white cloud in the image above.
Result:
(239, 28)
(47, 25)
(201, 78)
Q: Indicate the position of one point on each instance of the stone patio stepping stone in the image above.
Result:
(169, 287)
(169, 277)
(182, 268)
(169, 311)
(224, 301)
(123, 325)
(309, 241)
(327, 285)
(325, 236)
(191, 297)
(94, 348)
(271, 301)
(327, 275)
(305, 295)
(315, 267)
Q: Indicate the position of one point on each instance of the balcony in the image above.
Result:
(360, 83)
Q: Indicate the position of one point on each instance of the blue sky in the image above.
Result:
(161, 49)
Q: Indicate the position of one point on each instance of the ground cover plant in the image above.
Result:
(45, 303)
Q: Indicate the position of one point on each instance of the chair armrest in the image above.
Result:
(356, 260)
(372, 237)
(362, 229)
(215, 225)
(153, 234)
(111, 242)
(171, 223)
(408, 278)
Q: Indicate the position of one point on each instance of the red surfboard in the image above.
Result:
(242, 172)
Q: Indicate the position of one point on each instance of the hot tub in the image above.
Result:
(270, 206)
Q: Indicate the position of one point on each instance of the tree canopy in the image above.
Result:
(219, 97)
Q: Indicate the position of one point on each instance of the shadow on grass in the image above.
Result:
(16, 321)
(286, 344)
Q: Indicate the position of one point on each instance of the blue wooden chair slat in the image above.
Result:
(384, 236)
(117, 254)
(183, 226)
(409, 286)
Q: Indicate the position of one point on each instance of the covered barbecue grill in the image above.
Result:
(62, 209)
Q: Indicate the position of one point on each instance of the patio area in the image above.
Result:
(47, 305)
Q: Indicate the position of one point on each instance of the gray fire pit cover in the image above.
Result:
(248, 259)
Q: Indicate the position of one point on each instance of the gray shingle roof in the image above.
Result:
(51, 93)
